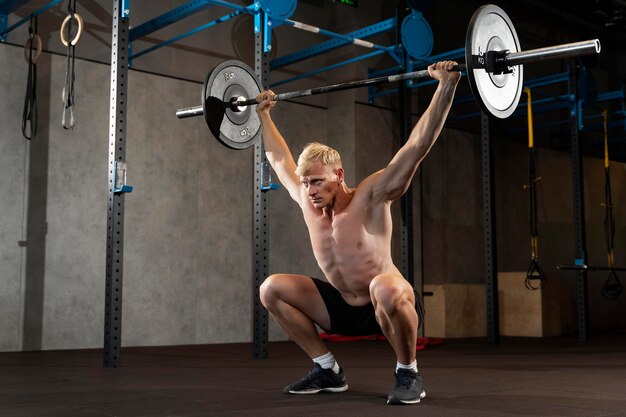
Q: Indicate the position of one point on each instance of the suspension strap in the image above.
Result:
(32, 50)
(612, 287)
(535, 277)
(72, 21)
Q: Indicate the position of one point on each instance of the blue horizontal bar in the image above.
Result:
(610, 114)
(7, 6)
(423, 83)
(600, 126)
(328, 68)
(168, 18)
(191, 32)
(27, 18)
(230, 5)
(536, 82)
(611, 95)
(380, 27)
(555, 105)
(349, 39)
(546, 104)
(414, 85)
(541, 126)
(550, 79)
(395, 90)
(386, 72)
(445, 56)
(550, 124)
(613, 140)
(176, 15)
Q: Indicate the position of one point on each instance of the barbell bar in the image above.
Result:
(493, 62)
(510, 59)
(236, 102)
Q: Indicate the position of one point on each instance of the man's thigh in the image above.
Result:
(300, 292)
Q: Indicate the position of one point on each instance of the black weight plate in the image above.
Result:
(490, 29)
(238, 130)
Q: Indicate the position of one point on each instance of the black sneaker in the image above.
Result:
(408, 389)
(319, 380)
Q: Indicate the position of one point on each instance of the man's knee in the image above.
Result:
(391, 293)
(270, 289)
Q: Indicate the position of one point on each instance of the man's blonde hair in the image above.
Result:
(317, 152)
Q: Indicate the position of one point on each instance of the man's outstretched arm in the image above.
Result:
(393, 181)
(276, 149)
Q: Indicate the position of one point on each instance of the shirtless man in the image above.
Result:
(350, 231)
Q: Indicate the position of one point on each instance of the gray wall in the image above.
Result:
(14, 154)
(188, 259)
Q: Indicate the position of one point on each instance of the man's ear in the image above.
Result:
(339, 174)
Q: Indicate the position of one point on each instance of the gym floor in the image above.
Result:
(463, 377)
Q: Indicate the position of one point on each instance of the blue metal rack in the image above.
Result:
(375, 29)
(179, 13)
(9, 6)
(563, 101)
(264, 22)
(168, 18)
(177, 38)
(414, 64)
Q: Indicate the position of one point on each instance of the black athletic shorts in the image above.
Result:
(349, 320)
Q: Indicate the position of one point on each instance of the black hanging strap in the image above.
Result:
(68, 89)
(29, 115)
(612, 287)
(535, 277)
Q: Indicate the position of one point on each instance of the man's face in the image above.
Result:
(321, 183)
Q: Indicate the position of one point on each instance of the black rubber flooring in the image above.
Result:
(520, 377)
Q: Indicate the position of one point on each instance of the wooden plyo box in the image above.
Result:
(455, 310)
(530, 313)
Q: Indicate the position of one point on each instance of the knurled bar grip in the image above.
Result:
(346, 86)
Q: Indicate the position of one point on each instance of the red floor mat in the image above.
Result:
(420, 344)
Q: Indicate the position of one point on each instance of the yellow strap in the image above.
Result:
(531, 141)
(606, 140)
(534, 247)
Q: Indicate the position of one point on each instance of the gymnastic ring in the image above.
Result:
(80, 29)
(38, 47)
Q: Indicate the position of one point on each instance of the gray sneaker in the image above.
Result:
(408, 390)
(319, 380)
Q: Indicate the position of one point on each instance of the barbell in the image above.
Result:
(493, 61)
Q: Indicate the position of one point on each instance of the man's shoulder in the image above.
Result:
(373, 188)
(368, 183)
